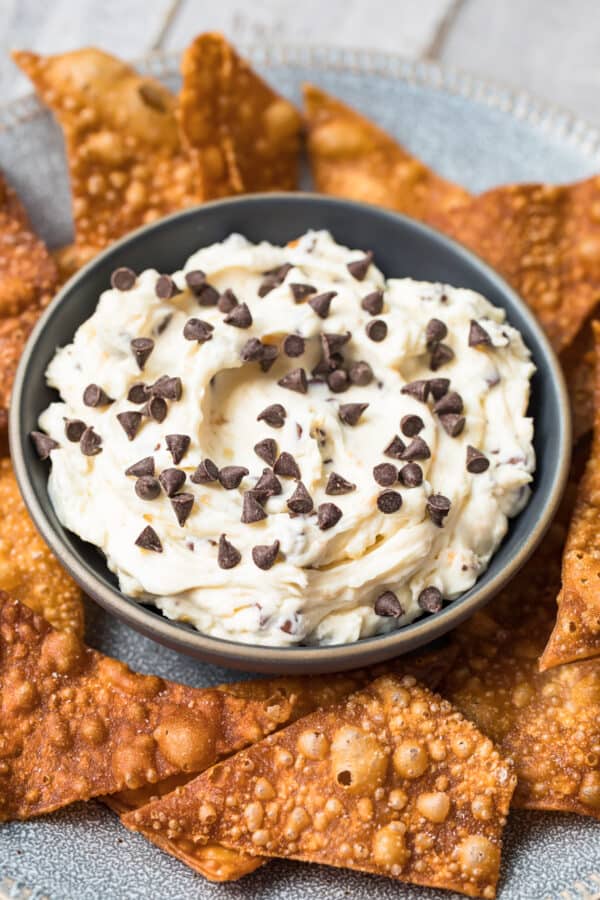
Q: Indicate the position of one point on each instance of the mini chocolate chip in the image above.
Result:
(385, 474)
(360, 373)
(477, 462)
(162, 325)
(449, 403)
(252, 511)
(142, 467)
(417, 449)
(336, 485)
(198, 330)
(141, 349)
(295, 381)
(252, 351)
(240, 316)
(74, 428)
(147, 487)
(411, 425)
(359, 267)
(267, 485)
(270, 354)
(228, 556)
(373, 303)
(438, 508)
(167, 388)
(435, 331)
(156, 409)
(300, 502)
(478, 336)
(294, 345)
(430, 600)
(206, 473)
(231, 476)
(93, 395)
(149, 540)
(287, 467)
(43, 444)
(123, 279)
(376, 330)
(452, 423)
(328, 515)
(266, 450)
(388, 605)
(273, 415)
(440, 355)
(350, 413)
(165, 288)
(417, 389)
(182, 506)
(90, 443)
(195, 279)
(172, 480)
(389, 502)
(338, 381)
(321, 303)
(395, 448)
(273, 278)
(411, 475)
(138, 392)
(206, 295)
(130, 423)
(302, 291)
(438, 387)
(264, 555)
(178, 445)
(227, 301)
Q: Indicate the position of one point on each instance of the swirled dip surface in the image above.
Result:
(391, 542)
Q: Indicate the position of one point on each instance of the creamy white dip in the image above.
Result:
(324, 584)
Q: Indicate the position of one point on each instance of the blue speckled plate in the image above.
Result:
(475, 133)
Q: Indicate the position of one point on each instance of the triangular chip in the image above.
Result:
(576, 634)
(351, 157)
(392, 781)
(578, 363)
(126, 162)
(242, 136)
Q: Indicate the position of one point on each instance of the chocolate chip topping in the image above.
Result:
(206, 295)
(94, 396)
(227, 301)
(360, 373)
(322, 302)
(440, 355)
(273, 279)
(430, 600)
(438, 387)
(302, 291)
(438, 508)
(373, 303)
(138, 392)
(182, 506)
(287, 467)
(388, 605)
(142, 467)
(231, 476)
(359, 267)
(149, 540)
(123, 279)
(267, 485)
(336, 485)
(252, 511)
(435, 331)
(74, 428)
(395, 448)
(90, 443)
(411, 425)
(376, 330)
(167, 388)
(156, 409)
(141, 349)
(206, 473)
(338, 381)
(161, 326)
(172, 480)
(385, 474)
(253, 350)
(147, 488)
(264, 555)
(195, 279)
(332, 345)
(198, 330)
(295, 381)
(418, 389)
(478, 336)
(178, 445)
(350, 413)
(452, 423)
(273, 415)
(240, 316)
(270, 354)
(228, 556)
(300, 502)
(328, 515)
(294, 345)
(130, 423)
(166, 288)
(43, 444)
(411, 475)
(266, 450)
(417, 449)
(449, 403)
(389, 502)
(477, 462)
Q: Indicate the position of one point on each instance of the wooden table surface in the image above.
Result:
(548, 47)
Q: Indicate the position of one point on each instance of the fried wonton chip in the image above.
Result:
(242, 135)
(76, 724)
(576, 634)
(126, 162)
(578, 362)
(392, 781)
(350, 157)
(28, 568)
(27, 281)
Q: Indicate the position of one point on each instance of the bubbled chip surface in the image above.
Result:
(391, 781)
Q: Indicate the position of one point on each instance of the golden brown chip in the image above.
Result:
(29, 571)
(578, 361)
(76, 724)
(126, 163)
(576, 634)
(242, 136)
(392, 781)
(350, 157)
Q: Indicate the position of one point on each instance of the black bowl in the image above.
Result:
(402, 247)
